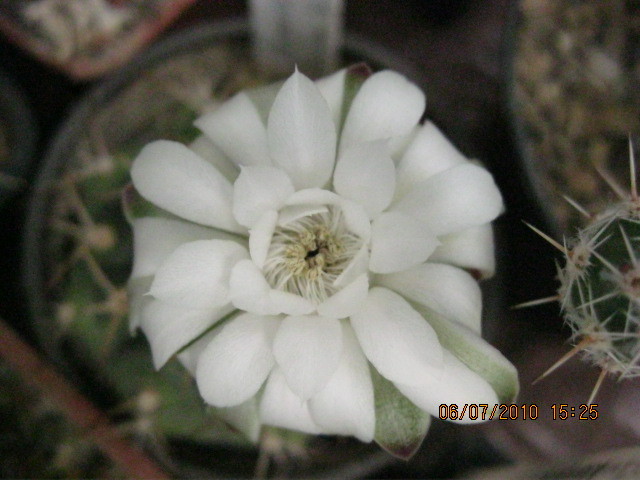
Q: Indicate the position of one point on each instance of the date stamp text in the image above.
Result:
(503, 411)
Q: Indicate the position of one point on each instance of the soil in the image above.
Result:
(576, 101)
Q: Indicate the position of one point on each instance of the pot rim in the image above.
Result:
(538, 197)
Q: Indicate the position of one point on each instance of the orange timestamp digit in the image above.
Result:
(484, 411)
(562, 411)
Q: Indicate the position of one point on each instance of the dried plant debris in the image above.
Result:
(576, 76)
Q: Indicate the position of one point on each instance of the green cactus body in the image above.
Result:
(600, 289)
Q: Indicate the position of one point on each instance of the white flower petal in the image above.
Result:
(155, 238)
(295, 212)
(282, 408)
(208, 151)
(399, 242)
(396, 339)
(358, 265)
(345, 406)
(169, 328)
(189, 356)
(313, 196)
(347, 301)
(238, 360)
(478, 355)
(332, 89)
(301, 133)
(398, 145)
(448, 290)
(387, 105)
(471, 248)
(453, 200)
(457, 385)
(250, 291)
(290, 303)
(236, 128)
(262, 98)
(355, 216)
(356, 219)
(137, 289)
(429, 153)
(258, 190)
(196, 274)
(308, 349)
(173, 177)
(365, 174)
(260, 237)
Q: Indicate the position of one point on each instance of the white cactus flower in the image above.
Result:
(310, 260)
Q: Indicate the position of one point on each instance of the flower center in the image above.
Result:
(307, 255)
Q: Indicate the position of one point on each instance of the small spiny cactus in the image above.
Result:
(599, 290)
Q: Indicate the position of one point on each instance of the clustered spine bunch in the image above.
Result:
(599, 291)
